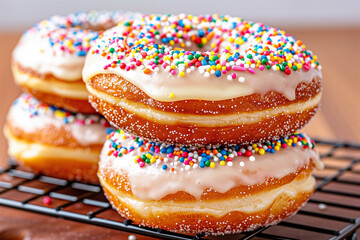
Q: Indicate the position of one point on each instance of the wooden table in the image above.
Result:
(338, 51)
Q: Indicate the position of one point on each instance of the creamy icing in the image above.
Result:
(160, 85)
(58, 45)
(34, 52)
(30, 115)
(153, 182)
(233, 61)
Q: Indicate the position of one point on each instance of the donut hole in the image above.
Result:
(190, 45)
(99, 27)
(202, 44)
(91, 21)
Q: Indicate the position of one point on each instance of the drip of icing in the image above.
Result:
(243, 171)
(160, 85)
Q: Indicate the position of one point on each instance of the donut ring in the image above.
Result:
(48, 60)
(53, 141)
(215, 190)
(250, 83)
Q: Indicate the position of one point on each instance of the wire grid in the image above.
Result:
(333, 211)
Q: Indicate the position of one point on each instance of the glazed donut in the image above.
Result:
(202, 80)
(48, 60)
(53, 141)
(206, 189)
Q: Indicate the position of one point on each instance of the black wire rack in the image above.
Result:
(333, 212)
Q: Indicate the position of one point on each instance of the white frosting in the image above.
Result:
(34, 52)
(159, 85)
(84, 134)
(153, 183)
(45, 50)
(88, 134)
(117, 45)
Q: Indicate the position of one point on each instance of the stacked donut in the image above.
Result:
(210, 107)
(52, 128)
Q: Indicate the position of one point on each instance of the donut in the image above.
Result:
(48, 60)
(202, 79)
(217, 190)
(45, 139)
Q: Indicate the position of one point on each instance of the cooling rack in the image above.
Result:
(333, 212)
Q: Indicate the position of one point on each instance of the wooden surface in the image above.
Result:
(17, 224)
(338, 51)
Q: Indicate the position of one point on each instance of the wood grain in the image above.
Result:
(338, 51)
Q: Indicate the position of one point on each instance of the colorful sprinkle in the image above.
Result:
(47, 200)
(70, 34)
(230, 44)
(148, 153)
(34, 108)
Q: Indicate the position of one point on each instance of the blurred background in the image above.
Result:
(18, 15)
(331, 29)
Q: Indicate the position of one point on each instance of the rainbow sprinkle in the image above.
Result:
(147, 152)
(34, 108)
(218, 46)
(69, 34)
